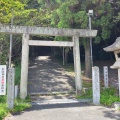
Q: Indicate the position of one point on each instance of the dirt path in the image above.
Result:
(48, 76)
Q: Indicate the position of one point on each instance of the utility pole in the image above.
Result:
(90, 14)
(10, 51)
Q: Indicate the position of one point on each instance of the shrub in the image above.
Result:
(108, 96)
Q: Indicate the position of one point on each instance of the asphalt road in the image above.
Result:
(66, 111)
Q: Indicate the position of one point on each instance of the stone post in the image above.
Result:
(119, 80)
(24, 66)
(96, 85)
(105, 70)
(77, 65)
(16, 91)
(10, 88)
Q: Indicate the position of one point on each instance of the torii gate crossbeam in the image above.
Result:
(47, 31)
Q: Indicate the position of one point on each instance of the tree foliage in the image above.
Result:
(6, 8)
(61, 14)
(73, 14)
(9, 9)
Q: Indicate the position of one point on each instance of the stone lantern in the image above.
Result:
(115, 47)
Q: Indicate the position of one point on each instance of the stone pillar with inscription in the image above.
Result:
(10, 88)
(96, 85)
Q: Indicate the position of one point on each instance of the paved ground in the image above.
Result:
(48, 76)
(67, 111)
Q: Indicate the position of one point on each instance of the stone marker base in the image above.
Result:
(117, 105)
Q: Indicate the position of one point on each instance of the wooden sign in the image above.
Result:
(2, 79)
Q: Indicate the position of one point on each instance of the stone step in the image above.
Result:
(60, 101)
(51, 93)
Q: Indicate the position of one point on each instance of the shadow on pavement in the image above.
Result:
(54, 106)
(60, 105)
(112, 114)
(47, 76)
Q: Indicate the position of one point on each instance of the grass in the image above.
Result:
(3, 107)
(107, 96)
(87, 94)
(3, 111)
(19, 104)
(17, 74)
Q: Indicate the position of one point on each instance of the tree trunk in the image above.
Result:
(88, 65)
(66, 57)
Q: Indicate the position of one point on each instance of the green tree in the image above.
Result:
(116, 7)
(8, 9)
(68, 15)
(103, 22)
(73, 14)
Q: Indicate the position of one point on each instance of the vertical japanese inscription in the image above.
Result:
(2, 79)
(105, 76)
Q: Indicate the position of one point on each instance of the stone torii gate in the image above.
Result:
(31, 30)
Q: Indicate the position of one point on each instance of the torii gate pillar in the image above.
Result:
(24, 66)
(77, 65)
